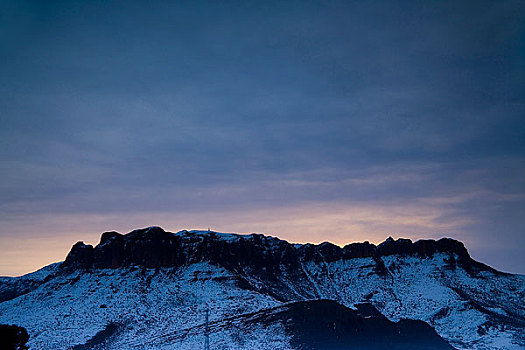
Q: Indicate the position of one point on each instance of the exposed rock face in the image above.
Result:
(154, 247)
(422, 248)
(251, 257)
(81, 255)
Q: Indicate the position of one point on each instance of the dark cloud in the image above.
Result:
(115, 108)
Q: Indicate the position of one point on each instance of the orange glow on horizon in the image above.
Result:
(315, 223)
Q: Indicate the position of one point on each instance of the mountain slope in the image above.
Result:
(326, 324)
(138, 288)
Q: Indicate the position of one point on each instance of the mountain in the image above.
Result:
(150, 289)
(326, 324)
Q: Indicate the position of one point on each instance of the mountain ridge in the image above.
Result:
(133, 290)
(116, 250)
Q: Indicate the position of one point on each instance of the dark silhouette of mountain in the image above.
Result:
(154, 247)
(265, 257)
(13, 337)
(328, 325)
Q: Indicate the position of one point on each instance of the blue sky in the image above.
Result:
(311, 121)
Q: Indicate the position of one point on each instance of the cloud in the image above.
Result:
(201, 107)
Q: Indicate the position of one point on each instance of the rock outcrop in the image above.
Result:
(153, 247)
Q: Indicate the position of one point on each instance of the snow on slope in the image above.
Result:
(148, 303)
(423, 289)
(11, 287)
(163, 308)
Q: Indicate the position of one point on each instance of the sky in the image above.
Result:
(311, 121)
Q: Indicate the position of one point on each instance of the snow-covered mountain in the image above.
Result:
(150, 289)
